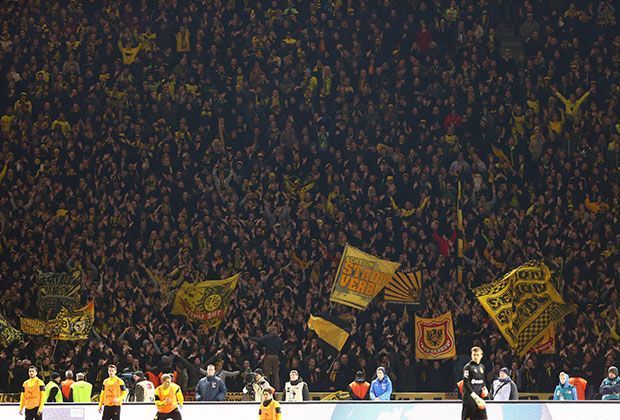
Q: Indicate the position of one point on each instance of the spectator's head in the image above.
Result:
(293, 375)
(258, 374)
(380, 373)
(575, 372)
(138, 376)
(359, 377)
(56, 377)
(504, 373)
(563, 377)
(211, 370)
(612, 372)
(68, 374)
(79, 376)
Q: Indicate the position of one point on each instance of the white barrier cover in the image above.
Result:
(342, 411)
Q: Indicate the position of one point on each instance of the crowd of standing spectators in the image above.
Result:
(148, 142)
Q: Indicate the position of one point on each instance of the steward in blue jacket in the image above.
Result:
(381, 388)
(211, 388)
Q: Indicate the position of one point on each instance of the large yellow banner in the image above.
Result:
(434, 337)
(68, 325)
(360, 277)
(524, 304)
(206, 301)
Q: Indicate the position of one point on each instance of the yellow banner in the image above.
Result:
(546, 345)
(8, 334)
(523, 304)
(434, 337)
(404, 288)
(360, 277)
(206, 301)
(68, 325)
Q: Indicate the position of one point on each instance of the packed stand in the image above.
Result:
(146, 142)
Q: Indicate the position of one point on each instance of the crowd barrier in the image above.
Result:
(343, 410)
(317, 396)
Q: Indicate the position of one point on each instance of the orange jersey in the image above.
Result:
(167, 400)
(113, 389)
(270, 411)
(33, 394)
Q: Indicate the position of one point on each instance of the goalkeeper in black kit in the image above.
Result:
(474, 391)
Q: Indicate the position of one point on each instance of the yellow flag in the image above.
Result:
(404, 288)
(8, 334)
(435, 337)
(360, 277)
(205, 301)
(523, 304)
(67, 325)
(328, 331)
(32, 326)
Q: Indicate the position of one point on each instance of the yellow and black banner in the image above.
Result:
(337, 396)
(360, 277)
(435, 337)
(404, 288)
(331, 330)
(69, 324)
(8, 334)
(523, 304)
(546, 345)
(57, 291)
(206, 301)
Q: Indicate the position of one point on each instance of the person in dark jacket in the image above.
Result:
(359, 387)
(211, 388)
(610, 387)
(273, 346)
(504, 389)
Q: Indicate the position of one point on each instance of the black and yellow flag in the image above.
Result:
(68, 325)
(206, 301)
(460, 237)
(404, 288)
(360, 277)
(331, 330)
(56, 291)
(8, 334)
(524, 304)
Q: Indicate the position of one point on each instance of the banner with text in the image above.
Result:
(360, 277)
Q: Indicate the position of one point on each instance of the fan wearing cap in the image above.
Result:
(52, 389)
(504, 389)
(269, 408)
(257, 387)
(610, 387)
(381, 388)
(359, 387)
(296, 389)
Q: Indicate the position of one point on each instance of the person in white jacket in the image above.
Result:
(504, 389)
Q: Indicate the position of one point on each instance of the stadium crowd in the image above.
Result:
(148, 141)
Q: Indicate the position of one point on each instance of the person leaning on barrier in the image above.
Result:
(610, 387)
(145, 389)
(52, 389)
(256, 388)
(168, 399)
(211, 388)
(564, 390)
(33, 396)
(296, 389)
(504, 389)
(81, 390)
(359, 388)
(381, 388)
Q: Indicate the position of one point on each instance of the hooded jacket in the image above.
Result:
(381, 389)
(565, 392)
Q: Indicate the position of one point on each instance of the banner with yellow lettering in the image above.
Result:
(360, 277)
(8, 334)
(523, 304)
(434, 337)
(68, 325)
(205, 301)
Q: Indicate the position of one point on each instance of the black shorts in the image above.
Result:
(173, 415)
(31, 414)
(111, 412)
(472, 412)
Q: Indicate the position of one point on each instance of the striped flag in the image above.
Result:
(404, 288)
